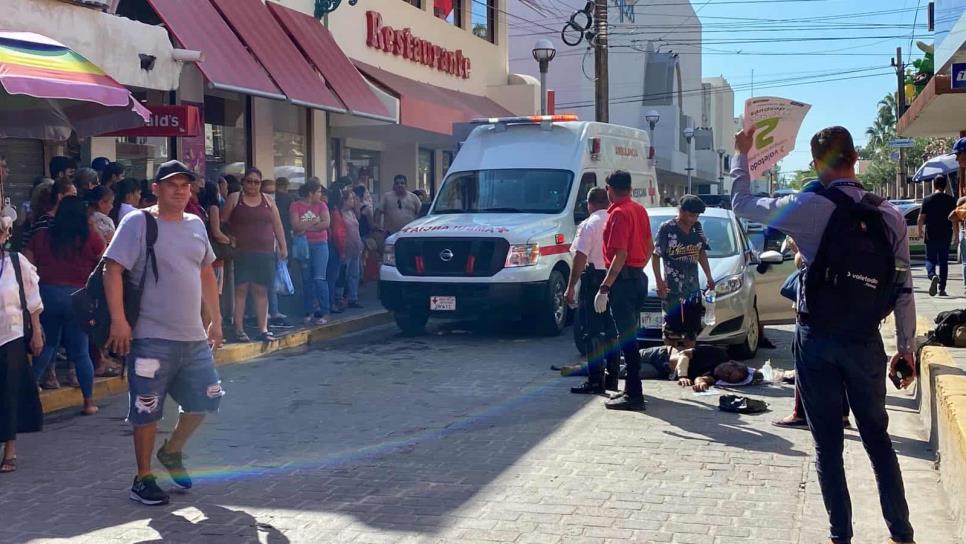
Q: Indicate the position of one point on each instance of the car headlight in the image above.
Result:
(522, 255)
(729, 285)
(389, 255)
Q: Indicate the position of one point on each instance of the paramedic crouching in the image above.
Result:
(856, 254)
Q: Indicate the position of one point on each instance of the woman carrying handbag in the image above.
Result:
(20, 332)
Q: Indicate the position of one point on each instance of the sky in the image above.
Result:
(857, 39)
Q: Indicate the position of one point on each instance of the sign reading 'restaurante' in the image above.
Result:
(403, 43)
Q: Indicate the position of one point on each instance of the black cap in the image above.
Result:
(691, 203)
(174, 168)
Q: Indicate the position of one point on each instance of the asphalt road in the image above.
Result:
(457, 436)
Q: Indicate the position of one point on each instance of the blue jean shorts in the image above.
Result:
(185, 370)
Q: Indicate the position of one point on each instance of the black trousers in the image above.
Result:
(599, 330)
(828, 367)
(626, 297)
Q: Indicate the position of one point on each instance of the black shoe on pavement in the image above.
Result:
(627, 404)
(174, 463)
(280, 323)
(146, 491)
(934, 286)
(588, 388)
(611, 384)
(943, 294)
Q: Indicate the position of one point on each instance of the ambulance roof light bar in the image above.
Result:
(525, 119)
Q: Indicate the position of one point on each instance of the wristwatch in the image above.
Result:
(604, 289)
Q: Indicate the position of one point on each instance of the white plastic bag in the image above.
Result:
(283, 280)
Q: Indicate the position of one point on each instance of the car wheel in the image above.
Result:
(552, 311)
(412, 324)
(749, 348)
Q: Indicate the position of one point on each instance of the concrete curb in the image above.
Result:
(231, 354)
(942, 407)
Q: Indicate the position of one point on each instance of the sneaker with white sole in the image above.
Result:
(146, 491)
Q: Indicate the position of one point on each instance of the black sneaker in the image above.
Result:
(280, 323)
(174, 463)
(625, 403)
(934, 286)
(588, 388)
(146, 491)
(943, 294)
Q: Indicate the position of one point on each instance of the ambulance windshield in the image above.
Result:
(505, 191)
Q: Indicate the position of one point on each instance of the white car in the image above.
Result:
(916, 244)
(748, 274)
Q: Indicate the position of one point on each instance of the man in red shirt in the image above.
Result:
(627, 249)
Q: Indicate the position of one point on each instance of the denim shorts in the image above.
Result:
(185, 370)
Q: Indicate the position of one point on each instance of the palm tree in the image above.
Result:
(883, 128)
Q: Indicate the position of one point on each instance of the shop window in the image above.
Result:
(335, 158)
(484, 19)
(141, 157)
(427, 171)
(226, 134)
(291, 141)
(415, 3)
(450, 11)
(364, 167)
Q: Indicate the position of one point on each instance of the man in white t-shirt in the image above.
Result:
(589, 268)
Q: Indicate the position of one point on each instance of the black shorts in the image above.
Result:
(256, 268)
(682, 318)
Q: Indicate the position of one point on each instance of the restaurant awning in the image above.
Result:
(429, 107)
(227, 64)
(321, 50)
(256, 26)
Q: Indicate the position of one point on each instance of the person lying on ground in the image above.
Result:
(699, 367)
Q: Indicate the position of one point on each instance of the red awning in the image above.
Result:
(252, 21)
(168, 122)
(227, 65)
(319, 47)
(433, 108)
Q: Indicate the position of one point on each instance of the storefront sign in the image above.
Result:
(167, 122)
(403, 43)
(959, 75)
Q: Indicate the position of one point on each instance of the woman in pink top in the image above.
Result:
(256, 227)
(310, 218)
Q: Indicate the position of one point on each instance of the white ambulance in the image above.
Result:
(496, 241)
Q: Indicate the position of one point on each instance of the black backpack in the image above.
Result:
(946, 323)
(90, 303)
(850, 286)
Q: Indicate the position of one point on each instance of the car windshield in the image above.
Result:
(504, 191)
(719, 231)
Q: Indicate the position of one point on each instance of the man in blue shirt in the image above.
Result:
(829, 364)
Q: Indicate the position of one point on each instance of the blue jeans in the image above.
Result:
(185, 370)
(826, 368)
(332, 273)
(937, 256)
(352, 266)
(314, 278)
(60, 323)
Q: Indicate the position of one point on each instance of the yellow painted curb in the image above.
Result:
(231, 354)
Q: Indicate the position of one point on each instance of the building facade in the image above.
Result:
(650, 69)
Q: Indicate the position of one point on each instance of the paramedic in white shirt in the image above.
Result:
(588, 252)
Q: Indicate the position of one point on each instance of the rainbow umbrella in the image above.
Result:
(48, 90)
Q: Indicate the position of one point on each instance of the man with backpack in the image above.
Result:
(164, 254)
(856, 253)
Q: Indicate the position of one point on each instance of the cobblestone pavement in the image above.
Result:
(455, 437)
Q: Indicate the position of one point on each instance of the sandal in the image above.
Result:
(267, 337)
(791, 423)
(242, 337)
(109, 372)
(8, 465)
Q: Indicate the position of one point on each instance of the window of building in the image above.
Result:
(226, 134)
(416, 3)
(291, 141)
(140, 155)
(427, 171)
(484, 19)
(450, 11)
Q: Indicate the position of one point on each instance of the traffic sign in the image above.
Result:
(894, 155)
(959, 75)
(901, 143)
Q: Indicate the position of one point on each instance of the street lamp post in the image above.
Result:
(689, 136)
(543, 53)
(721, 154)
(653, 117)
(325, 7)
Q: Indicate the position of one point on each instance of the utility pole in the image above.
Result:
(600, 63)
(900, 109)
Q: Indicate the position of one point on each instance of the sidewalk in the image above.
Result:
(941, 390)
(353, 320)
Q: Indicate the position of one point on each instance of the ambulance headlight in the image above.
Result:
(729, 285)
(389, 255)
(522, 255)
